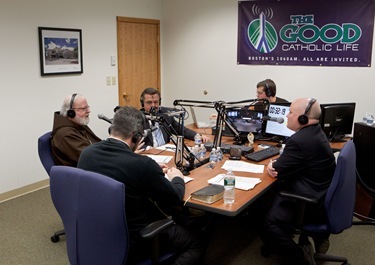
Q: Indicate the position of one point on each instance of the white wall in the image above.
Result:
(199, 53)
(29, 100)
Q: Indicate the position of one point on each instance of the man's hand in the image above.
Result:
(140, 145)
(271, 170)
(164, 167)
(205, 139)
(173, 173)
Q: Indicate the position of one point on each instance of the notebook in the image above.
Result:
(199, 124)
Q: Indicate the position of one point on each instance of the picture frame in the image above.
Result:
(60, 51)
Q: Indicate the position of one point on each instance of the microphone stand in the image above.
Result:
(194, 103)
(182, 151)
(220, 123)
(222, 119)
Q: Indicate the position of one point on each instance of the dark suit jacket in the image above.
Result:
(143, 178)
(173, 126)
(281, 100)
(306, 166)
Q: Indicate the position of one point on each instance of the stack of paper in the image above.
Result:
(243, 166)
(242, 183)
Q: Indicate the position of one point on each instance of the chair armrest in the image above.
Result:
(302, 201)
(300, 197)
(155, 228)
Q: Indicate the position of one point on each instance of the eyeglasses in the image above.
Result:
(152, 102)
(82, 109)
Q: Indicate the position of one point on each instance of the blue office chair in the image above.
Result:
(92, 207)
(45, 151)
(339, 201)
(45, 156)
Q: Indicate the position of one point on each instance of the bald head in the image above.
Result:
(298, 108)
(301, 105)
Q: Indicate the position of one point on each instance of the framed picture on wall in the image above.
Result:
(60, 51)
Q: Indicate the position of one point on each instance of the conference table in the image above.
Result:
(202, 174)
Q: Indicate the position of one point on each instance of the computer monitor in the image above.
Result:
(336, 120)
(245, 120)
(278, 125)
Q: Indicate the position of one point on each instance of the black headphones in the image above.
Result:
(136, 137)
(70, 112)
(267, 89)
(304, 119)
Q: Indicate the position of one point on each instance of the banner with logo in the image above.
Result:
(305, 32)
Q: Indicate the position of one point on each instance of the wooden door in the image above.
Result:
(138, 49)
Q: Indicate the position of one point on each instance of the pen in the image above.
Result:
(221, 178)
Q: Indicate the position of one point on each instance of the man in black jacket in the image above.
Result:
(306, 166)
(149, 194)
(150, 101)
(266, 89)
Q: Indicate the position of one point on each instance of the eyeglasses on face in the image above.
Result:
(82, 109)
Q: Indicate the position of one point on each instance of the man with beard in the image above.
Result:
(70, 133)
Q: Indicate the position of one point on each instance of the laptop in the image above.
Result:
(199, 124)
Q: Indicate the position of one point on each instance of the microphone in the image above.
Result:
(154, 111)
(104, 118)
(149, 131)
(274, 119)
(162, 109)
(167, 109)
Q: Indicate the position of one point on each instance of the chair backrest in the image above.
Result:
(45, 152)
(92, 208)
(340, 198)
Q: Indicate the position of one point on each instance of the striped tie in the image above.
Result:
(159, 136)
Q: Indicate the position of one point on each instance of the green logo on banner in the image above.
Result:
(262, 35)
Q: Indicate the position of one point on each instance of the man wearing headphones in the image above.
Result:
(306, 166)
(70, 133)
(266, 89)
(149, 194)
(150, 101)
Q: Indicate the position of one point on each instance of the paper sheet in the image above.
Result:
(243, 166)
(186, 179)
(167, 147)
(242, 183)
(160, 158)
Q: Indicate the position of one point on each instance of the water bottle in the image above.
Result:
(370, 119)
(229, 187)
(198, 139)
(365, 117)
(213, 158)
(202, 152)
(219, 154)
(195, 151)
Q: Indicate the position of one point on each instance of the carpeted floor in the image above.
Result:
(28, 222)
